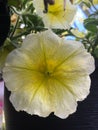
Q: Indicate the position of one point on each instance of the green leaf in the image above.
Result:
(96, 52)
(91, 24)
(87, 4)
(15, 3)
(24, 2)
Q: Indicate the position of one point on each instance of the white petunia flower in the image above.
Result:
(48, 74)
(57, 15)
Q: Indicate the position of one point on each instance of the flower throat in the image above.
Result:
(52, 2)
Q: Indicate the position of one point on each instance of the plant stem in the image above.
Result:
(14, 28)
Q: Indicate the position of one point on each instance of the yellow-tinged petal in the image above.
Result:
(56, 17)
(95, 1)
(50, 75)
(45, 99)
(77, 33)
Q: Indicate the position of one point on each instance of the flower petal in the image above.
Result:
(76, 59)
(56, 17)
(50, 74)
(75, 83)
(45, 100)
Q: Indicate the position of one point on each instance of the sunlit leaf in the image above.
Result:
(91, 24)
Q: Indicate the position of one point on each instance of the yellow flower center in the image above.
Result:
(47, 74)
(47, 69)
(54, 8)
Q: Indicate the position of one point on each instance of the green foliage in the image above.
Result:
(14, 2)
(27, 21)
(91, 39)
(91, 24)
(18, 3)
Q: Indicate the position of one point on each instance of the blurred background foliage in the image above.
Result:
(24, 21)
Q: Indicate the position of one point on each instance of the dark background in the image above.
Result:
(4, 21)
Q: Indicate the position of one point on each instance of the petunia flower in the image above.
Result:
(60, 14)
(48, 74)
